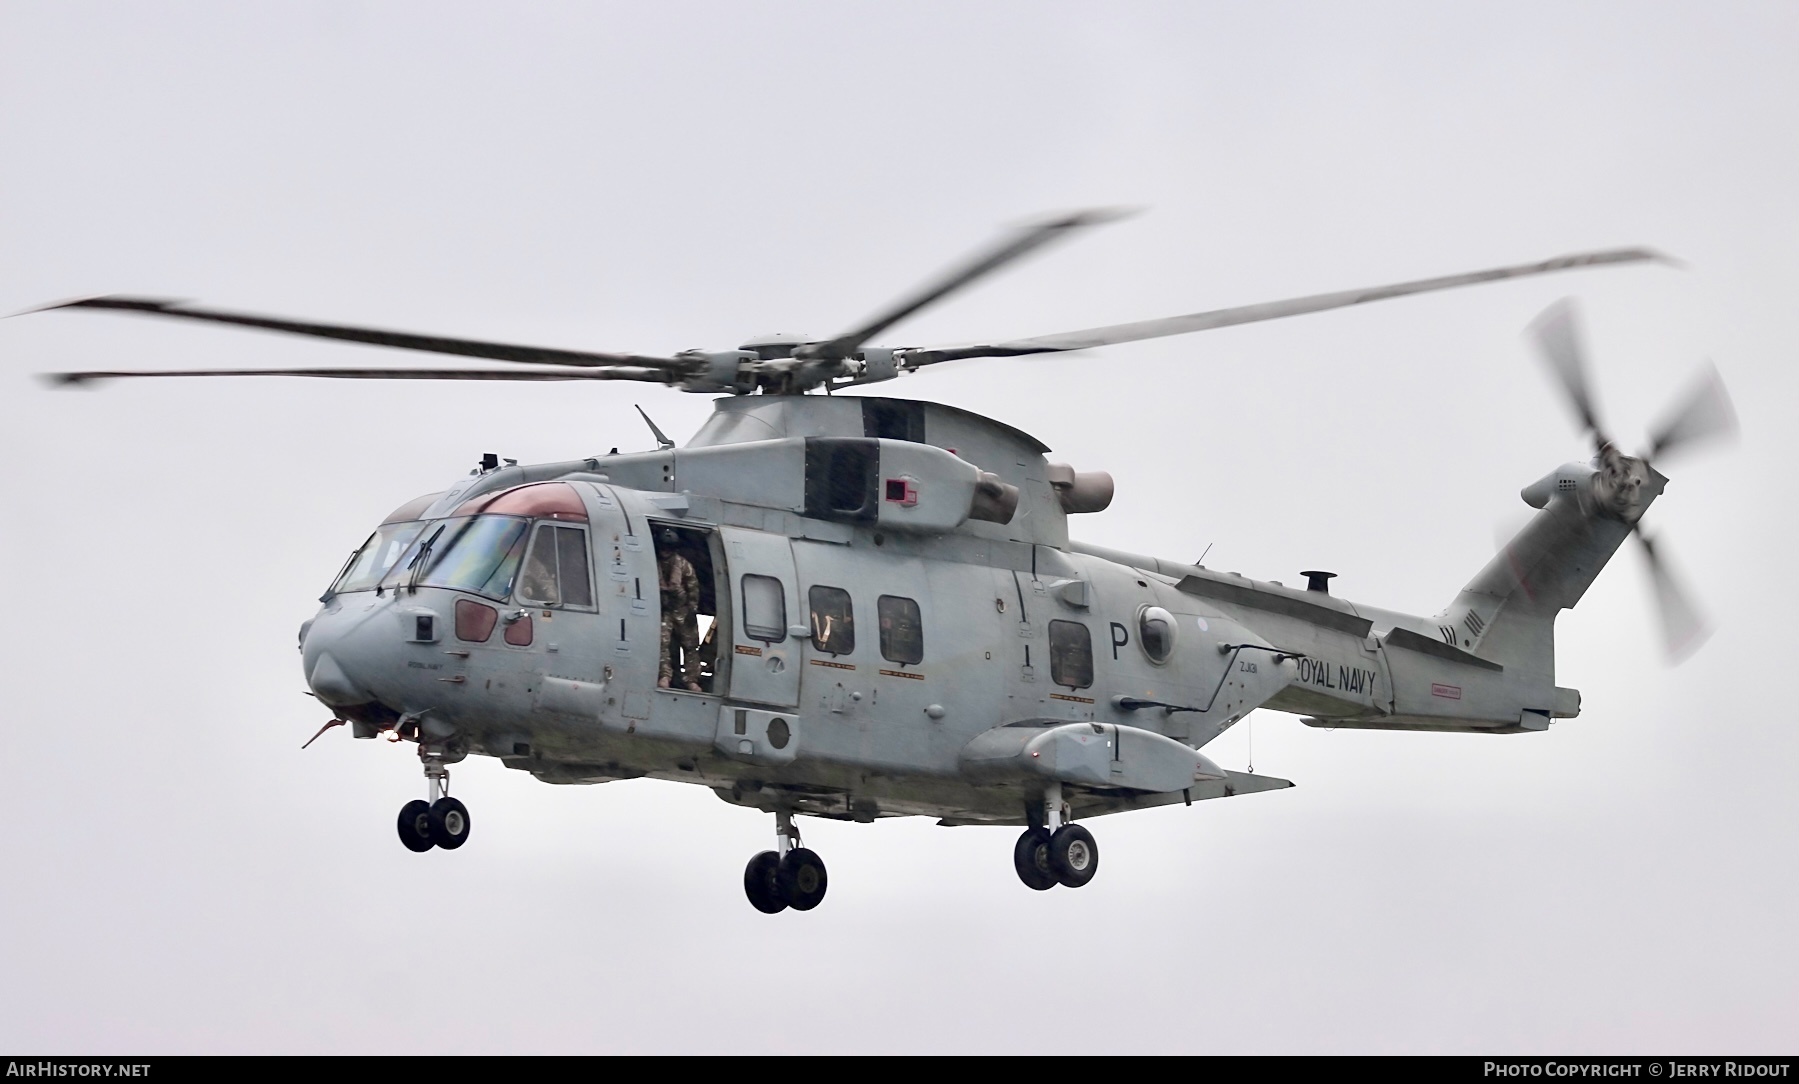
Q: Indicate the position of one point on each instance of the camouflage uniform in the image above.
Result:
(680, 602)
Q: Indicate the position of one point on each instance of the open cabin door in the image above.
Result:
(766, 614)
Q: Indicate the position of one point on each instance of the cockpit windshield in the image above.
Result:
(479, 555)
(376, 557)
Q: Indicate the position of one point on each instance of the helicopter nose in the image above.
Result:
(334, 649)
(332, 685)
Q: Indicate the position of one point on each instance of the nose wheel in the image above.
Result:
(790, 876)
(449, 823)
(442, 821)
(1057, 853)
(415, 826)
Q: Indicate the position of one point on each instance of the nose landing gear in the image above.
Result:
(449, 823)
(415, 826)
(1055, 853)
(790, 876)
(440, 822)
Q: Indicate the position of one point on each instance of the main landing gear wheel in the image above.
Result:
(1073, 855)
(1030, 857)
(789, 876)
(415, 826)
(802, 879)
(449, 823)
(762, 885)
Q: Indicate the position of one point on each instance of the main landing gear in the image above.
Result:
(789, 876)
(1055, 853)
(440, 822)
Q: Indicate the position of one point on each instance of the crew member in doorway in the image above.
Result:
(680, 605)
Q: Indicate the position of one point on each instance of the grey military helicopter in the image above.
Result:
(896, 621)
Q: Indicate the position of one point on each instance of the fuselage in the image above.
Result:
(867, 619)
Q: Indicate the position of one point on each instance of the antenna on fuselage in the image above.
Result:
(662, 441)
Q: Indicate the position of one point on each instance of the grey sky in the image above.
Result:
(179, 877)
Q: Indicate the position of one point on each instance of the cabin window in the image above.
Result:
(902, 630)
(1070, 654)
(764, 609)
(555, 572)
(1155, 632)
(833, 625)
(476, 555)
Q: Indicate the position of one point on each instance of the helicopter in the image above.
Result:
(857, 607)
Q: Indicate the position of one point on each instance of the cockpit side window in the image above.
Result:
(571, 559)
(555, 571)
(540, 582)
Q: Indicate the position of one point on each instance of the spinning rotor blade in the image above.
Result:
(435, 344)
(1703, 413)
(1684, 629)
(1557, 334)
(1018, 243)
(619, 373)
(1271, 310)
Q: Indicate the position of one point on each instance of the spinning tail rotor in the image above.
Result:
(1623, 485)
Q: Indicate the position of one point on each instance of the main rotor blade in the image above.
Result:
(1557, 334)
(1684, 629)
(1701, 414)
(619, 373)
(435, 344)
(1014, 245)
(1271, 310)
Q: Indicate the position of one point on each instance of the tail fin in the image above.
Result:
(1507, 612)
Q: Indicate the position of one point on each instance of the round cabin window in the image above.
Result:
(1155, 631)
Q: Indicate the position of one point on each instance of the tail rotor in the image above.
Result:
(1702, 414)
(1684, 628)
(1557, 333)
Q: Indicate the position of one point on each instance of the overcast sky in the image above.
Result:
(179, 877)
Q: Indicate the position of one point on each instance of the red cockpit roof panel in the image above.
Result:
(539, 500)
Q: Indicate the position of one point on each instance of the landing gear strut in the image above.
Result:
(1056, 852)
(789, 876)
(442, 821)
